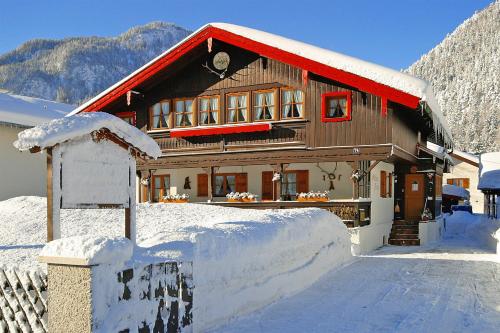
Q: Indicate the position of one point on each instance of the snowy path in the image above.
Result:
(453, 286)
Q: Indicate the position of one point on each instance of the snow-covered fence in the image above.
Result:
(23, 301)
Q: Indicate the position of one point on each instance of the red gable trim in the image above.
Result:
(335, 74)
(179, 133)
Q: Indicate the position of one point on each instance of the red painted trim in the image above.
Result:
(335, 74)
(325, 96)
(218, 130)
(384, 106)
(127, 115)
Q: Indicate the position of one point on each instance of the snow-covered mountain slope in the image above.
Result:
(464, 70)
(72, 70)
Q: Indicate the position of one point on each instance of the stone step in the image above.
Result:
(404, 222)
(405, 231)
(405, 227)
(404, 242)
(403, 236)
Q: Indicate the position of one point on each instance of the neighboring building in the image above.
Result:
(489, 182)
(464, 173)
(236, 109)
(23, 174)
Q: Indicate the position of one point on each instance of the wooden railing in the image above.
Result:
(354, 213)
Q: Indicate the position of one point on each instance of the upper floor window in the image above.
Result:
(461, 182)
(292, 103)
(159, 115)
(208, 108)
(184, 112)
(264, 105)
(128, 117)
(336, 106)
(237, 108)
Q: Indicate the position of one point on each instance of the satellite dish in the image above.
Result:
(221, 61)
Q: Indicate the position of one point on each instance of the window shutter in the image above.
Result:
(390, 185)
(241, 182)
(466, 182)
(450, 181)
(302, 181)
(383, 184)
(202, 185)
(267, 185)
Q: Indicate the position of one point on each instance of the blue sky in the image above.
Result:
(393, 33)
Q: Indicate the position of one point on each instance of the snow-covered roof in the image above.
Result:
(466, 156)
(63, 129)
(489, 171)
(380, 74)
(456, 191)
(29, 111)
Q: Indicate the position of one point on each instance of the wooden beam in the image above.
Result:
(50, 198)
(128, 233)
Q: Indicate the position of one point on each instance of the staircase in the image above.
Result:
(404, 233)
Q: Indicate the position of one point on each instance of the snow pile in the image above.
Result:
(455, 191)
(94, 250)
(238, 272)
(489, 171)
(63, 129)
(29, 111)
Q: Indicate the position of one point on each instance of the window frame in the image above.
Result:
(336, 94)
(169, 118)
(127, 114)
(193, 112)
(276, 104)
(198, 109)
(224, 184)
(248, 107)
(281, 103)
(153, 188)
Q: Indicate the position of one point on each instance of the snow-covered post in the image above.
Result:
(82, 280)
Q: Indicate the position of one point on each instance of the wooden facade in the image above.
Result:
(383, 125)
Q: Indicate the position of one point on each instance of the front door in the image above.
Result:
(414, 196)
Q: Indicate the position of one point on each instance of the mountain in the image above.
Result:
(72, 70)
(464, 70)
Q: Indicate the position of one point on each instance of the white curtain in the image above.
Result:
(156, 115)
(299, 100)
(258, 110)
(165, 109)
(242, 104)
(270, 106)
(286, 102)
(214, 107)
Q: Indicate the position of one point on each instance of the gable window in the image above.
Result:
(264, 105)
(184, 112)
(159, 115)
(336, 106)
(208, 108)
(292, 103)
(161, 187)
(128, 117)
(237, 108)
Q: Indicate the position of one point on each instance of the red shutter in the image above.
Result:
(450, 181)
(302, 181)
(383, 184)
(202, 185)
(241, 182)
(267, 185)
(466, 182)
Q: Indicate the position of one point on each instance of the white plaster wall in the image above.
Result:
(429, 232)
(465, 170)
(343, 187)
(21, 173)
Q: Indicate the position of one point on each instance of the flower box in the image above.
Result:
(241, 197)
(176, 198)
(312, 199)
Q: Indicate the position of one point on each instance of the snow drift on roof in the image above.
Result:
(467, 156)
(63, 129)
(456, 191)
(29, 111)
(489, 171)
(387, 76)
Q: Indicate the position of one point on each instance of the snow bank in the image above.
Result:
(456, 191)
(29, 111)
(63, 129)
(238, 272)
(489, 171)
(94, 250)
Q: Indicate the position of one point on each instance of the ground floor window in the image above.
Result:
(293, 182)
(289, 186)
(161, 186)
(224, 184)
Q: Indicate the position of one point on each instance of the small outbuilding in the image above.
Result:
(489, 182)
(91, 163)
(453, 195)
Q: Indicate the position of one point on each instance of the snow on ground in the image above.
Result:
(451, 286)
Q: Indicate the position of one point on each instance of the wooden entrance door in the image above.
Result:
(414, 196)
